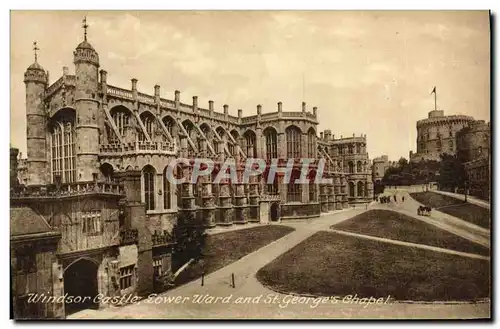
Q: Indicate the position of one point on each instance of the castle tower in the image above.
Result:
(86, 104)
(35, 79)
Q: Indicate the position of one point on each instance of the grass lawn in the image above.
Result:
(454, 207)
(393, 225)
(330, 264)
(223, 249)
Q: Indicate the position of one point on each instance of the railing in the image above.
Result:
(167, 103)
(270, 197)
(310, 115)
(161, 239)
(292, 114)
(119, 92)
(129, 236)
(186, 107)
(67, 190)
(144, 98)
(271, 115)
(249, 119)
(138, 148)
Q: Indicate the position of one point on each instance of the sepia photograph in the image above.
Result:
(250, 164)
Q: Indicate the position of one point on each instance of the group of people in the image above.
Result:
(389, 198)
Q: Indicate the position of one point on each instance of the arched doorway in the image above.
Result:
(275, 212)
(80, 282)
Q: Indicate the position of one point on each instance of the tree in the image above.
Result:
(451, 173)
(190, 236)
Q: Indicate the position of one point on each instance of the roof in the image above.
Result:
(36, 66)
(85, 45)
(24, 221)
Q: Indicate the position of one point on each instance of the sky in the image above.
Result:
(368, 72)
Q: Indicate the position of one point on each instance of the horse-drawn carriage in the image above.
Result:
(424, 211)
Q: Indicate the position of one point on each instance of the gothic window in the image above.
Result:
(169, 124)
(294, 192)
(351, 189)
(63, 151)
(92, 224)
(351, 167)
(121, 118)
(311, 138)
(166, 190)
(360, 189)
(292, 142)
(147, 120)
(359, 167)
(250, 141)
(271, 143)
(149, 187)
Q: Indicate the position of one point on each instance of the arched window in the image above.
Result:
(250, 143)
(294, 191)
(351, 189)
(62, 145)
(311, 139)
(107, 172)
(148, 121)
(292, 142)
(148, 174)
(359, 166)
(233, 147)
(271, 143)
(169, 124)
(167, 202)
(360, 189)
(351, 149)
(358, 148)
(121, 118)
(351, 167)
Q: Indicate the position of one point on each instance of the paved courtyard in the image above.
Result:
(250, 299)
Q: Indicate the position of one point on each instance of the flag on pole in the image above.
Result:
(433, 91)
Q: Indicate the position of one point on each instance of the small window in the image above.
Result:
(92, 222)
(26, 262)
(126, 275)
(157, 267)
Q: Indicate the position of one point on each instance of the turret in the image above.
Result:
(86, 104)
(35, 79)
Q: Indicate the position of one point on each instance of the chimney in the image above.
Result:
(315, 111)
(240, 113)
(226, 109)
(104, 76)
(157, 90)
(177, 96)
(65, 70)
(259, 109)
(134, 84)
(321, 135)
(280, 107)
(303, 106)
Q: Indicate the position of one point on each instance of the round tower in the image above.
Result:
(86, 104)
(35, 79)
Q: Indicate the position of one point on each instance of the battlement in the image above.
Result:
(165, 148)
(444, 120)
(69, 190)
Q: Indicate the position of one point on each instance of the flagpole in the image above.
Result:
(435, 99)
